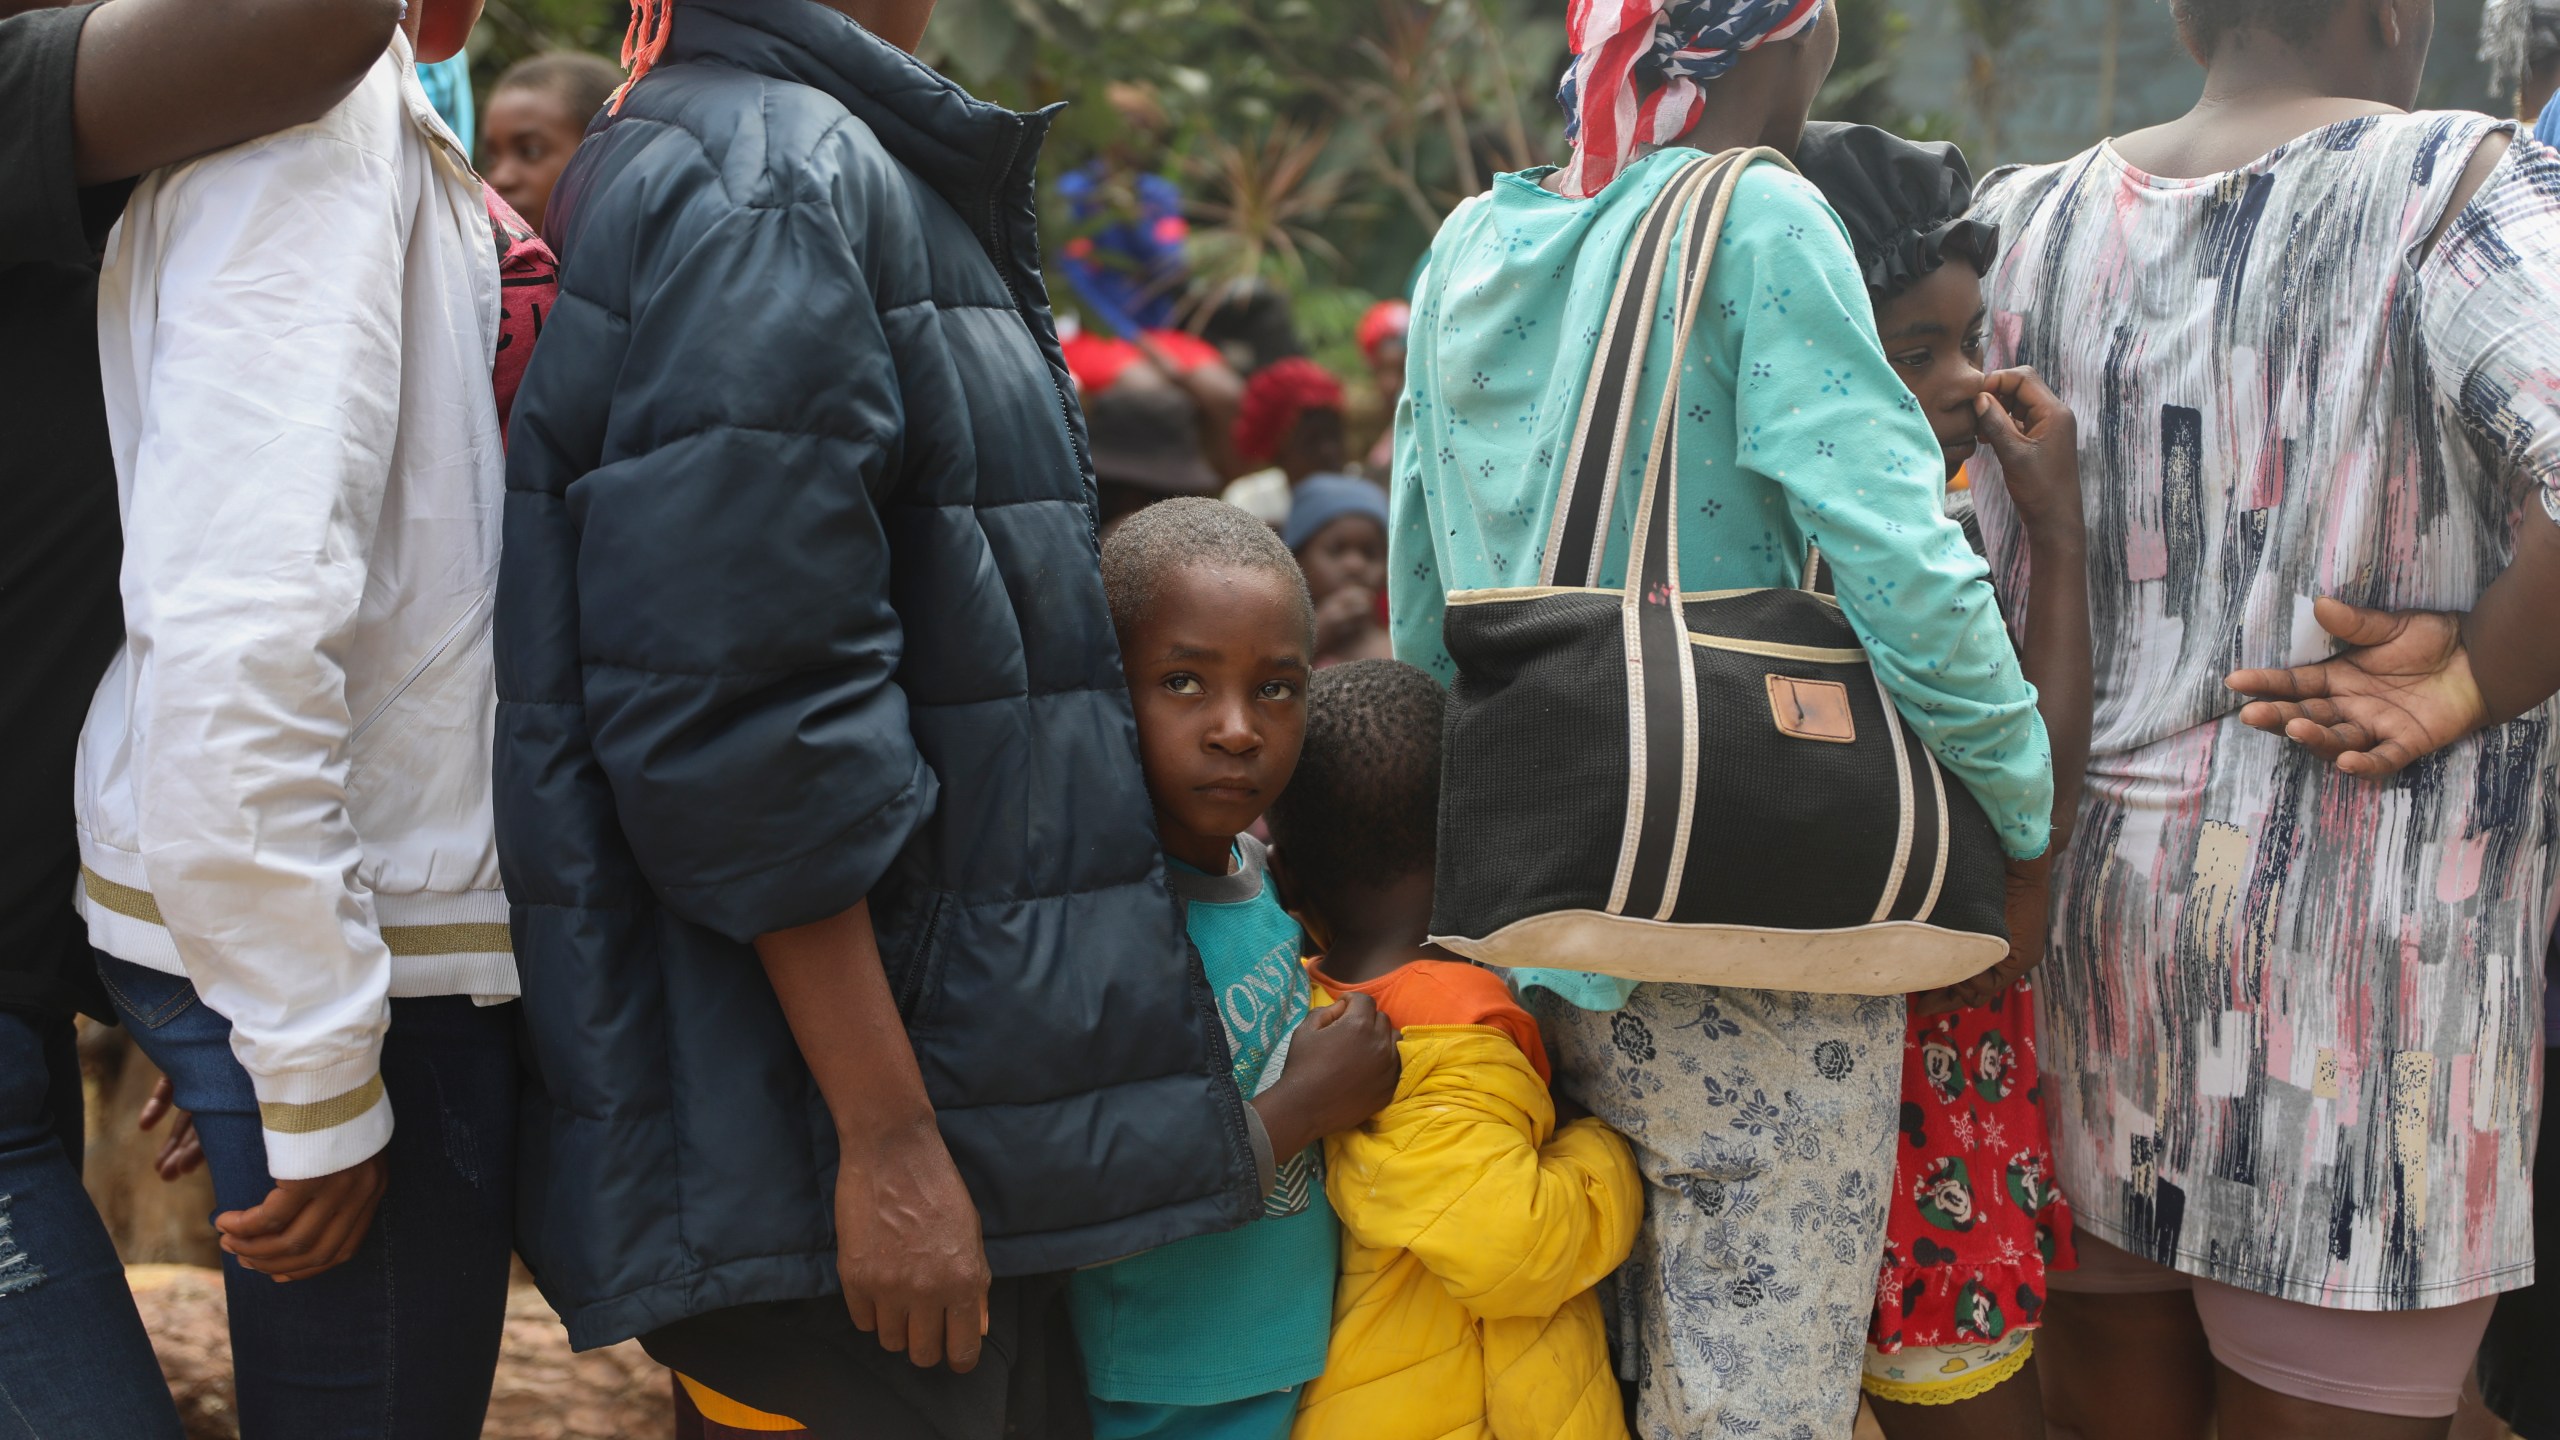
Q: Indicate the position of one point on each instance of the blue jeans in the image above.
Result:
(77, 1362)
(401, 1342)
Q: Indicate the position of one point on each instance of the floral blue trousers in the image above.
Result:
(1764, 1124)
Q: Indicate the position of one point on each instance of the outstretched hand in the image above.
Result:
(2401, 690)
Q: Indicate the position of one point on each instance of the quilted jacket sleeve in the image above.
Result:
(737, 644)
(1455, 1171)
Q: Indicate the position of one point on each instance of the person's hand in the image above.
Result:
(2037, 440)
(1342, 1069)
(1344, 616)
(908, 1248)
(180, 1151)
(2029, 896)
(304, 1227)
(2402, 689)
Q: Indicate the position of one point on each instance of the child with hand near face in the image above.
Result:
(1214, 1336)
(1338, 530)
(1974, 1219)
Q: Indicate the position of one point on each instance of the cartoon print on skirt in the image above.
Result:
(1976, 1218)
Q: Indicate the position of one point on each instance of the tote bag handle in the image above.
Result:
(1578, 536)
(1662, 685)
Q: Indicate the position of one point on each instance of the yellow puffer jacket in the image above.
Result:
(1472, 1233)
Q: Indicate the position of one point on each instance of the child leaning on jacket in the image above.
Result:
(1473, 1228)
(1213, 1336)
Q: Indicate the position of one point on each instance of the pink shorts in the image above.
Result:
(2383, 1362)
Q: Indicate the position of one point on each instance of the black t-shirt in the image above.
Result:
(60, 541)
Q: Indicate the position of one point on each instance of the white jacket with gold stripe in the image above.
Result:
(283, 787)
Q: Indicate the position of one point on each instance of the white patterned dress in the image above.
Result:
(2292, 1020)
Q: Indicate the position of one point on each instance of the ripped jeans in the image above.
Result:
(401, 1342)
(77, 1363)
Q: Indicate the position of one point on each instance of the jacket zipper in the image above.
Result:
(928, 939)
(1021, 308)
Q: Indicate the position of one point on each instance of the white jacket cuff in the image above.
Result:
(318, 1122)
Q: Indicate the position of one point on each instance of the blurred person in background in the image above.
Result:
(1128, 259)
(1382, 337)
(1145, 435)
(1289, 422)
(1337, 529)
(91, 96)
(536, 115)
(2520, 43)
(1144, 430)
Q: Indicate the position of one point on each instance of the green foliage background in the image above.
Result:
(1321, 141)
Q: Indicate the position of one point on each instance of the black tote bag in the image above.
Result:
(1707, 788)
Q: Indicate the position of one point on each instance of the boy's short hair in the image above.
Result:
(2205, 22)
(1170, 535)
(1364, 802)
(583, 82)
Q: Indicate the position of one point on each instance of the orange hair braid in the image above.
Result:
(642, 44)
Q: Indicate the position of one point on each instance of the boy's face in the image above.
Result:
(1932, 333)
(1217, 670)
(1349, 551)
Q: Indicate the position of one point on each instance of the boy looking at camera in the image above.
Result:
(1215, 1335)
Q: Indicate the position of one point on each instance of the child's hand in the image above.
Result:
(2037, 440)
(1342, 1069)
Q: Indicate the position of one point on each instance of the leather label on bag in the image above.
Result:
(1812, 709)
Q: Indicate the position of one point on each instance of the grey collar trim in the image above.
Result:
(1235, 888)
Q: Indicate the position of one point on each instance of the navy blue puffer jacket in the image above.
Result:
(800, 605)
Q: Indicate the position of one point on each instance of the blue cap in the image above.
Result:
(1322, 499)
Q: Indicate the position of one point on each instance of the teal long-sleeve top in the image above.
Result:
(1793, 431)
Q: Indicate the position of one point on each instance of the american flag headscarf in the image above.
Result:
(1666, 49)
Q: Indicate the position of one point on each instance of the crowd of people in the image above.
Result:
(620, 691)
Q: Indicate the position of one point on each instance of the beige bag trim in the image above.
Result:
(1891, 958)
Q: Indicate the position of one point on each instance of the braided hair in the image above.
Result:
(644, 42)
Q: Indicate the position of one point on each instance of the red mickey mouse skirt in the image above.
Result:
(1975, 1217)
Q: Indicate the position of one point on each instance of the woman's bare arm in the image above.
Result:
(162, 80)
